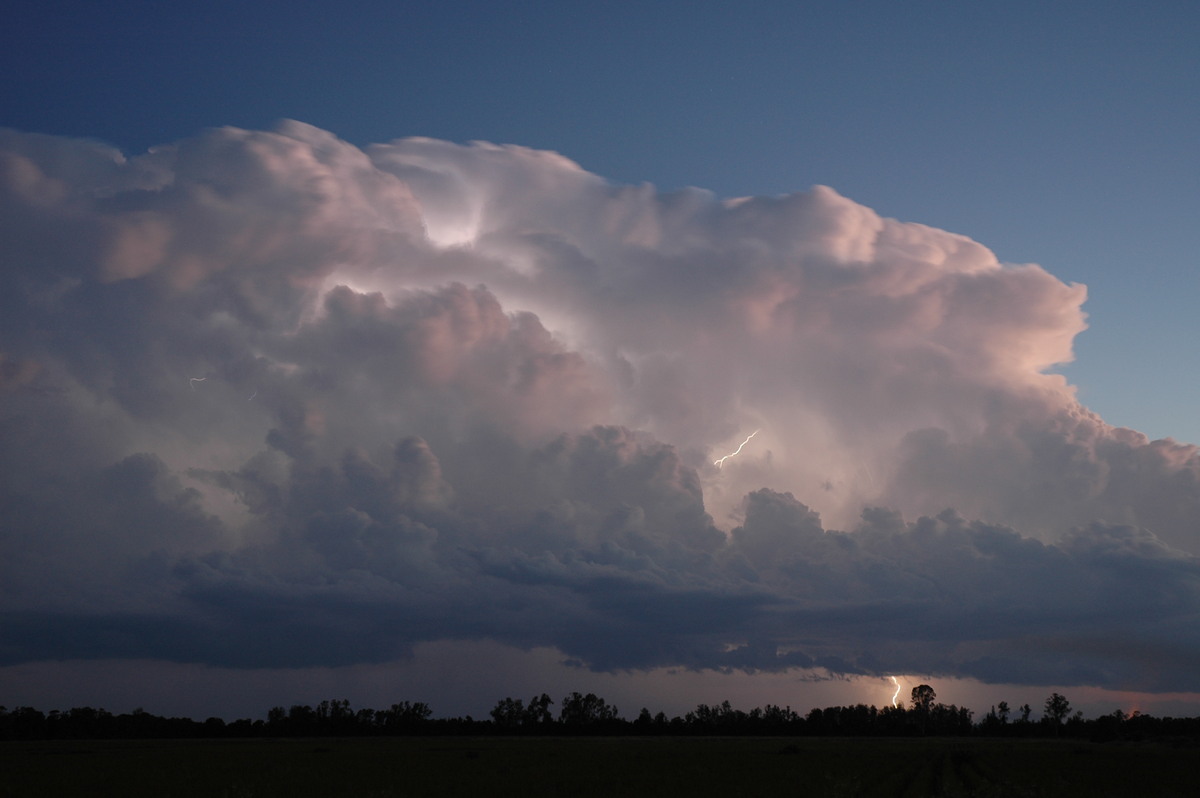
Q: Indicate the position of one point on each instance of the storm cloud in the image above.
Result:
(268, 399)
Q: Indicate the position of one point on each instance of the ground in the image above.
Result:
(423, 766)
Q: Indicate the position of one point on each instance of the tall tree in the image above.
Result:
(923, 697)
(1057, 708)
(538, 711)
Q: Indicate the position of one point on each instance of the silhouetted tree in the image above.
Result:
(1108, 727)
(579, 711)
(405, 717)
(336, 718)
(538, 711)
(589, 714)
(895, 720)
(922, 703)
(950, 720)
(302, 720)
(777, 719)
(512, 713)
(509, 713)
(1057, 707)
(923, 697)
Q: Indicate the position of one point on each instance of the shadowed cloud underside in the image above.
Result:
(488, 396)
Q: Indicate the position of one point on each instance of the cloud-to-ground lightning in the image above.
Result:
(193, 380)
(719, 463)
(896, 694)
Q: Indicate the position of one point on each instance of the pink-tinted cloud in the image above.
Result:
(264, 389)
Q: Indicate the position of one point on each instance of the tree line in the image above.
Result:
(589, 714)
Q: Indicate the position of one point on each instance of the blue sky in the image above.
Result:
(1059, 133)
(1056, 133)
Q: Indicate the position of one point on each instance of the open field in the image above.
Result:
(425, 766)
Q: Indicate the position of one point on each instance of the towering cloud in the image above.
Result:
(269, 399)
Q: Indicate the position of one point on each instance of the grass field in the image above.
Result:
(596, 767)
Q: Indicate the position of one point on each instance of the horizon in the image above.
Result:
(1038, 711)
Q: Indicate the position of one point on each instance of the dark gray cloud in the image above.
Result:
(270, 400)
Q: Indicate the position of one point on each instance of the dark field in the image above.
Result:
(423, 766)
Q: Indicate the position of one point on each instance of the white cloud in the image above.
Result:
(475, 392)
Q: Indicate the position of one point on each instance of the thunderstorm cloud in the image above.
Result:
(268, 399)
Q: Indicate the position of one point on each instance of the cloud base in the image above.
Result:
(270, 400)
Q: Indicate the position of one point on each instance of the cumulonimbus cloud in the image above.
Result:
(265, 388)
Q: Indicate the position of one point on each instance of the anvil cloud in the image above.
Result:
(476, 392)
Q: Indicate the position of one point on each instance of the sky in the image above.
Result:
(391, 352)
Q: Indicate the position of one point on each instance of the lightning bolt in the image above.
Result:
(193, 380)
(895, 695)
(719, 463)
